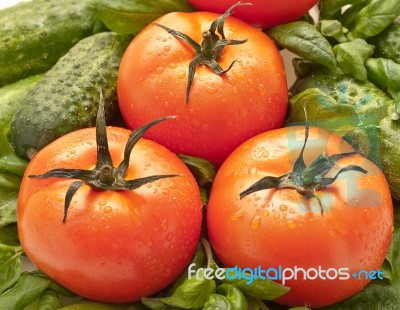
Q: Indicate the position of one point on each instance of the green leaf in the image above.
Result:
(386, 74)
(217, 302)
(28, 288)
(9, 235)
(264, 289)
(131, 16)
(334, 29)
(49, 300)
(256, 304)
(10, 266)
(192, 294)
(202, 169)
(154, 303)
(331, 9)
(351, 57)
(304, 40)
(375, 17)
(376, 295)
(199, 261)
(8, 207)
(11, 97)
(392, 261)
(234, 296)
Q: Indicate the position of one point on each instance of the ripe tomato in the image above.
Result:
(281, 227)
(115, 246)
(222, 110)
(262, 13)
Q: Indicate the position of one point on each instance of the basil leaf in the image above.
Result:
(49, 300)
(264, 289)
(10, 98)
(331, 9)
(334, 29)
(154, 303)
(217, 302)
(376, 295)
(386, 74)
(256, 304)
(28, 288)
(375, 17)
(393, 260)
(8, 207)
(304, 40)
(131, 16)
(234, 296)
(192, 294)
(199, 260)
(10, 266)
(351, 56)
(202, 169)
(9, 235)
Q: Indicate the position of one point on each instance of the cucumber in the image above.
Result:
(66, 99)
(35, 34)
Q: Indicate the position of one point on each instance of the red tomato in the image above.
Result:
(115, 246)
(223, 110)
(280, 227)
(262, 13)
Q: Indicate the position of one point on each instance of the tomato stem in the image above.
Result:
(210, 50)
(105, 176)
(306, 180)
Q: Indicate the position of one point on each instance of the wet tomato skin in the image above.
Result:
(262, 13)
(279, 227)
(223, 110)
(115, 246)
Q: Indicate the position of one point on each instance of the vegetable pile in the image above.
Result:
(151, 150)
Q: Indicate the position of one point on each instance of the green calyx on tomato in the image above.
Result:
(210, 50)
(104, 176)
(306, 179)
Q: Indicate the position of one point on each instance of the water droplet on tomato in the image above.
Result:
(149, 52)
(181, 74)
(59, 198)
(291, 224)
(255, 222)
(165, 192)
(234, 90)
(240, 74)
(172, 65)
(261, 89)
(167, 48)
(169, 236)
(107, 209)
(102, 203)
(164, 225)
(160, 70)
(253, 171)
(265, 154)
(283, 207)
(211, 89)
(172, 184)
(236, 216)
(265, 213)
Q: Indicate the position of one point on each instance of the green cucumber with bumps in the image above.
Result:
(66, 99)
(36, 33)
